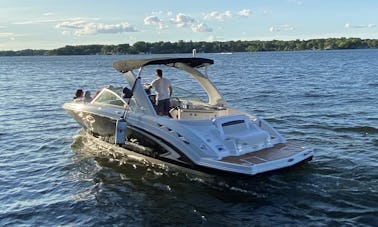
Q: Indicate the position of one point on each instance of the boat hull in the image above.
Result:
(138, 153)
(93, 121)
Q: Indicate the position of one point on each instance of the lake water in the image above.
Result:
(50, 176)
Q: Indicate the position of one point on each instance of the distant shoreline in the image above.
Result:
(142, 47)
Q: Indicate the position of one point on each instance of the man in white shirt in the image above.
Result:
(163, 91)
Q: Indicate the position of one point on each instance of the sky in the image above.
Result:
(50, 24)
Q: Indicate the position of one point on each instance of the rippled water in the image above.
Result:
(50, 174)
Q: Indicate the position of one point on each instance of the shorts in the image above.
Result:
(163, 107)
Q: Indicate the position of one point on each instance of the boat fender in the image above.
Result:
(120, 134)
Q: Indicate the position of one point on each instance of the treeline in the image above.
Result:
(206, 47)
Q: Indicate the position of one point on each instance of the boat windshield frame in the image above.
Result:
(113, 97)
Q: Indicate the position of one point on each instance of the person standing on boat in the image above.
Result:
(163, 91)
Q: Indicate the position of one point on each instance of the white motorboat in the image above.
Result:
(203, 134)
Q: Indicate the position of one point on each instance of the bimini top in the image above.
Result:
(128, 65)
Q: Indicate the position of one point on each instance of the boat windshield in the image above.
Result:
(110, 98)
(183, 94)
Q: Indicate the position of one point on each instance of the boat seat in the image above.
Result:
(240, 129)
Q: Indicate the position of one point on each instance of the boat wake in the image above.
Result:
(359, 129)
(158, 175)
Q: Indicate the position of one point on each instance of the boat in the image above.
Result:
(202, 133)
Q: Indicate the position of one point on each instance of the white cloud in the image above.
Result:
(43, 21)
(82, 26)
(181, 20)
(351, 26)
(116, 28)
(92, 28)
(212, 38)
(218, 16)
(245, 12)
(162, 26)
(201, 27)
(6, 34)
(154, 20)
(285, 28)
(68, 33)
(273, 29)
(74, 23)
(221, 16)
(288, 27)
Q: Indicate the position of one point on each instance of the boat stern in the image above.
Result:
(270, 159)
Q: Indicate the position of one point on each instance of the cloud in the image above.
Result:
(6, 34)
(226, 15)
(114, 28)
(201, 27)
(350, 26)
(214, 38)
(273, 29)
(43, 21)
(83, 26)
(183, 21)
(287, 27)
(154, 20)
(218, 16)
(65, 32)
(245, 12)
(284, 28)
(74, 23)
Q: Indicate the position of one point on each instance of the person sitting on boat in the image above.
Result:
(163, 91)
(87, 96)
(79, 96)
